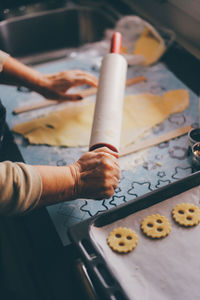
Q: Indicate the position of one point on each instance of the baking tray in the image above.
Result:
(129, 276)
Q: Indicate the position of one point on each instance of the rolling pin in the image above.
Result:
(106, 128)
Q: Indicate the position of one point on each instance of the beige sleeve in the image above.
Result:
(3, 56)
(20, 187)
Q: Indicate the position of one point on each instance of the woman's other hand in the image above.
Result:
(56, 86)
(52, 86)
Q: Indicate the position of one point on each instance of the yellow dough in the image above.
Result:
(122, 240)
(156, 226)
(186, 214)
(150, 46)
(72, 126)
(69, 127)
(144, 111)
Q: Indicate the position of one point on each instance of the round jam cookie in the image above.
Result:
(156, 226)
(122, 240)
(186, 214)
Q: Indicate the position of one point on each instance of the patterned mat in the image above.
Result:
(148, 170)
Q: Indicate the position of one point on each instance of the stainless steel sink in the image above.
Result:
(46, 31)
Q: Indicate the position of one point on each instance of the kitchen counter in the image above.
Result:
(46, 267)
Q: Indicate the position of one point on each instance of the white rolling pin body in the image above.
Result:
(107, 120)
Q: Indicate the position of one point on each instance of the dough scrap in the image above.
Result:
(122, 240)
(150, 46)
(186, 214)
(72, 126)
(156, 226)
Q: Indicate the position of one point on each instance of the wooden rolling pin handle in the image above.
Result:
(135, 80)
(155, 141)
(34, 106)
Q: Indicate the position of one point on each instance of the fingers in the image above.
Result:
(81, 78)
(72, 78)
(106, 190)
(102, 157)
(70, 97)
(108, 151)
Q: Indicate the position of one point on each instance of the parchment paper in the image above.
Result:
(168, 268)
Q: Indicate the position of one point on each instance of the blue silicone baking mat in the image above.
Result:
(141, 173)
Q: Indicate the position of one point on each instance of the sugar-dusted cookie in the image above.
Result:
(186, 214)
(122, 240)
(156, 226)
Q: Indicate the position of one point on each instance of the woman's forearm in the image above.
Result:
(58, 184)
(52, 86)
(24, 187)
(16, 73)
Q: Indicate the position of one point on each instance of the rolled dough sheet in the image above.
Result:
(69, 127)
(72, 126)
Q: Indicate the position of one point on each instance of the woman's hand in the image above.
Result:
(96, 174)
(55, 86)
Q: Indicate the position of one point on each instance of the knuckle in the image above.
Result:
(109, 192)
(105, 162)
(99, 155)
(115, 185)
(118, 174)
(104, 149)
(107, 186)
(107, 176)
(62, 73)
(104, 185)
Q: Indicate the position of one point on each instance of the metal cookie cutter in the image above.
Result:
(196, 155)
(193, 136)
(194, 145)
